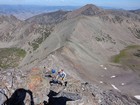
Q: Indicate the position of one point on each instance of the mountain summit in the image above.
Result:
(88, 10)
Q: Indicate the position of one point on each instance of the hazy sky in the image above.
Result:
(127, 4)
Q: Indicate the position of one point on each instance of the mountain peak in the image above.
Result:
(88, 10)
(90, 6)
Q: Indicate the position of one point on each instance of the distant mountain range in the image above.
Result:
(136, 11)
(26, 11)
(33, 8)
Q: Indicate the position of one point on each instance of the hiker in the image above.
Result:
(61, 74)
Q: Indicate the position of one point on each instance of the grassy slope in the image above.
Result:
(11, 57)
(130, 56)
(35, 44)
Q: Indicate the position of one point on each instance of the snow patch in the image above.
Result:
(123, 84)
(137, 97)
(113, 76)
(101, 81)
(103, 67)
(115, 87)
(83, 89)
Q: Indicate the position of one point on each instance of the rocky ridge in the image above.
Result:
(78, 93)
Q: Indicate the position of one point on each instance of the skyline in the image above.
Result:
(120, 4)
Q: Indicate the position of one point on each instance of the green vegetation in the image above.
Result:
(117, 58)
(138, 33)
(130, 57)
(133, 47)
(35, 44)
(118, 19)
(99, 39)
(11, 57)
(105, 38)
(125, 53)
(135, 32)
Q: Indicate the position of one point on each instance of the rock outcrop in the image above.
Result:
(75, 93)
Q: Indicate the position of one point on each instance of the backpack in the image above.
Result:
(53, 71)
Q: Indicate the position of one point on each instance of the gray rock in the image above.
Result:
(2, 96)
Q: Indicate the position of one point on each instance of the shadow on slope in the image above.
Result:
(56, 100)
(18, 97)
(61, 97)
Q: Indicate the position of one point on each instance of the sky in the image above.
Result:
(122, 4)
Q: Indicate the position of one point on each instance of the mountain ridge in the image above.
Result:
(83, 42)
(88, 10)
(48, 18)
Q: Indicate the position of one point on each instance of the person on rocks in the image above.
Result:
(61, 76)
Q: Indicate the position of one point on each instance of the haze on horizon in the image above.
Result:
(120, 4)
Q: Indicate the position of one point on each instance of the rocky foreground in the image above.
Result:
(74, 93)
